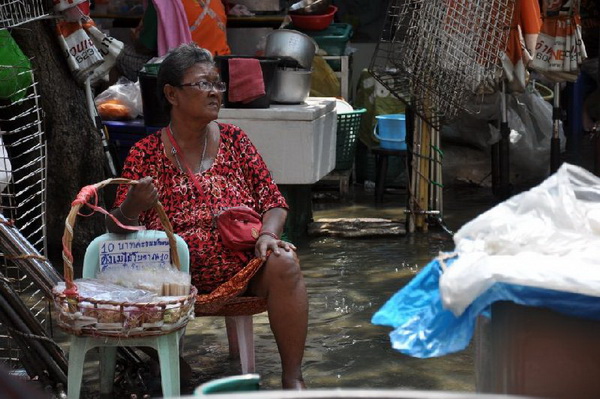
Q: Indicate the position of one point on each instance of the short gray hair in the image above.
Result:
(176, 63)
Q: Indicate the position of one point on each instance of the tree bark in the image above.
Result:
(75, 156)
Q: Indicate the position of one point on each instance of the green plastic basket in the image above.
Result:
(151, 69)
(348, 125)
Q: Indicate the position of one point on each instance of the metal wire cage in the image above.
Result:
(22, 198)
(17, 12)
(436, 55)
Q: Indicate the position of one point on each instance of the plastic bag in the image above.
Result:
(109, 47)
(80, 51)
(529, 118)
(99, 290)
(156, 279)
(324, 82)
(547, 237)
(471, 129)
(15, 69)
(121, 101)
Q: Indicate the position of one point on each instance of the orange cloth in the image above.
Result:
(246, 81)
(211, 303)
(524, 16)
(525, 26)
(207, 20)
(531, 17)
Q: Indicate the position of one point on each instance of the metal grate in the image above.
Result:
(436, 55)
(23, 197)
(17, 12)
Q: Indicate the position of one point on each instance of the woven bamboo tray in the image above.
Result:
(91, 317)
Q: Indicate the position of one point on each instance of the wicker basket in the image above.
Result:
(91, 317)
(348, 125)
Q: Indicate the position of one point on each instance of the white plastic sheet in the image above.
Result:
(547, 237)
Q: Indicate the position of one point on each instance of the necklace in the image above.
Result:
(174, 151)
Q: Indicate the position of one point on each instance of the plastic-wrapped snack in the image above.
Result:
(152, 317)
(148, 278)
(89, 310)
(109, 317)
(134, 317)
(101, 290)
(172, 314)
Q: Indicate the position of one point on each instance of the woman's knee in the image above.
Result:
(278, 272)
(284, 266)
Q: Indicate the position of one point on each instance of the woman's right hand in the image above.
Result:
(140, 197)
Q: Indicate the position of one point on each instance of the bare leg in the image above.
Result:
(280, 281)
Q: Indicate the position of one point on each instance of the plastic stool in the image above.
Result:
(167, 345)
(381, 166)
(238, 314)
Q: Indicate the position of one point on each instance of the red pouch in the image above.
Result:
(239, 227)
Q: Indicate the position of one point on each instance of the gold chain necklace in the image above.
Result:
(174, 151)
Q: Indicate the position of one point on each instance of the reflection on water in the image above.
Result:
(345, 349)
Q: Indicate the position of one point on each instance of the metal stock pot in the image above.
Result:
(291, 86)
(291, 45)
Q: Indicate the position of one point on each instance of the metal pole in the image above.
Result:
(437, 164)
(503, 148)
(415, 170)
(112, 170)
(555, 141)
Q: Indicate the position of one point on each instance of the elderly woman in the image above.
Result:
(197, 167)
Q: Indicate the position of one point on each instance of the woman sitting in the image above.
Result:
(196, 167)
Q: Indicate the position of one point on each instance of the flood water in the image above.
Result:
(348, 279)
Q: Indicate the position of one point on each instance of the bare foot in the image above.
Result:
(293, 384)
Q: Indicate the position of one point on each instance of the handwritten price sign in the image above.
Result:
(135, 253)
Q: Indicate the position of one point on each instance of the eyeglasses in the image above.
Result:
(205, 85)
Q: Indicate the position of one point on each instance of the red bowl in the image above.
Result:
(313, 22)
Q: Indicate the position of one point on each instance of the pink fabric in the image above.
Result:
(246, 81)
(173, 28)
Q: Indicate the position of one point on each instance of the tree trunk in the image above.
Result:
(75, 155)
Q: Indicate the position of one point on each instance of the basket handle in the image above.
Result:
(88, 193)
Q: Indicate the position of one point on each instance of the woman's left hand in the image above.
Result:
(265, 242)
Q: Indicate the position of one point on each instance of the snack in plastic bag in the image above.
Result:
(159, 280)
(100, 290)
(121, 101)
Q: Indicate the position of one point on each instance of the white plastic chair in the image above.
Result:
(166, 345)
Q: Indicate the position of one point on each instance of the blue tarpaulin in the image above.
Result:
(423, 328)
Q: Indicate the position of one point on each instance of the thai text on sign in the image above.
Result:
(136, 253)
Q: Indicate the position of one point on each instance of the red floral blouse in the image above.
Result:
(238, 176)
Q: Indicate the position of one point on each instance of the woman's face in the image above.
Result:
(196, 98)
